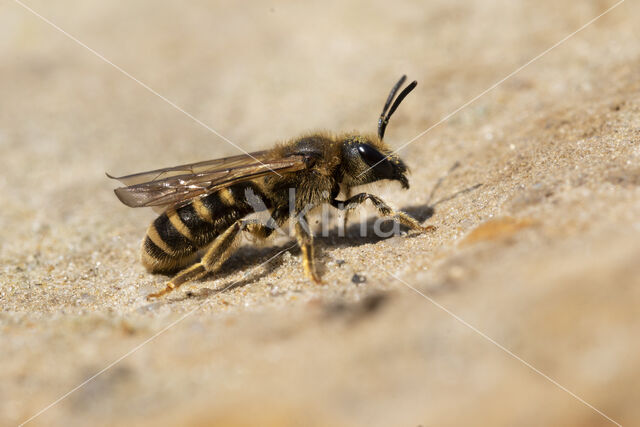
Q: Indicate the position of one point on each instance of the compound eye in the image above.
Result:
(370, 155)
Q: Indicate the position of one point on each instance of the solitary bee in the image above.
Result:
(205, 205)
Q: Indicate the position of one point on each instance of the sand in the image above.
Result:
(520, 309)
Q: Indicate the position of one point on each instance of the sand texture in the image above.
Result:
(522, 308)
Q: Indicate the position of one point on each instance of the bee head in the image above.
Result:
(368, 159)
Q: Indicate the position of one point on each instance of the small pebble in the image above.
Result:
(357, 278)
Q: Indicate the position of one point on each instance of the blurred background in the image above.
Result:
(539, 253)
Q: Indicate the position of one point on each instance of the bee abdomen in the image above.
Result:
(174, 239)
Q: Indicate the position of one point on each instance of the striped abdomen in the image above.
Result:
(174, 239)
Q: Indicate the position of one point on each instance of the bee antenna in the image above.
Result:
(385, 116)
(392, 94)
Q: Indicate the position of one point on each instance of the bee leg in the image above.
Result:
(218, 252)
(345, 214)
(383, 210)
(305, 241)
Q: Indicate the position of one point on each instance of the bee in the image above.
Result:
(205, 205)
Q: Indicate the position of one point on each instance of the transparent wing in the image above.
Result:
(174, 185)
(192, 168)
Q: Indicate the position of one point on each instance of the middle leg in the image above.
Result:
(305, 241)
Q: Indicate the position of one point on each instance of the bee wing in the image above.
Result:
(191, 168)
(174, 185)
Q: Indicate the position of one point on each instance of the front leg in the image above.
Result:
(345, 215)
(305, 241)
(383, 210)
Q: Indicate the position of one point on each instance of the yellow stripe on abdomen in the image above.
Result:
(202, 210)
(177, 223)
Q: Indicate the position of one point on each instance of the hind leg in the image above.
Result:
(216, 254)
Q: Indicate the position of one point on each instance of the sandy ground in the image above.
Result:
(538, 257)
